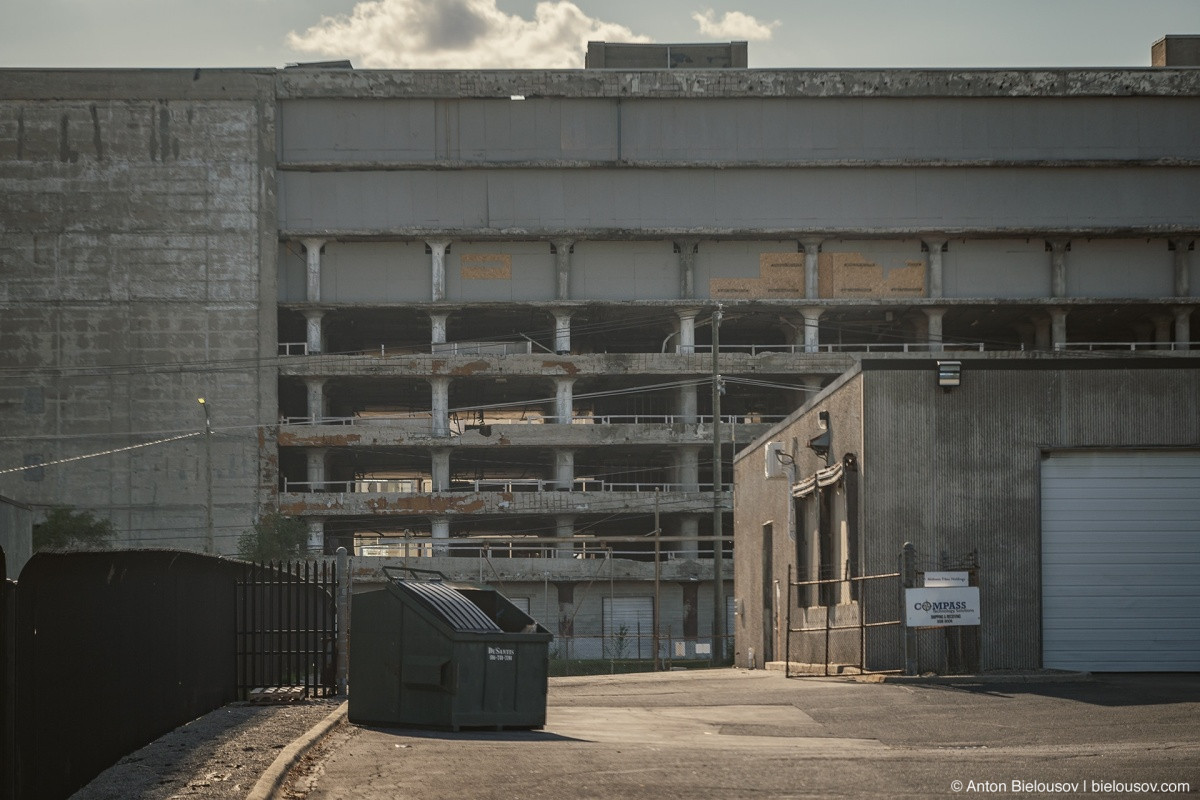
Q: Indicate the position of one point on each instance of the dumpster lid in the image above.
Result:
(451, 605)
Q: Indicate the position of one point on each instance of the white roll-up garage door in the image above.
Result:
(1121, 561)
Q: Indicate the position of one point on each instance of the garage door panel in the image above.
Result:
(1121, 560)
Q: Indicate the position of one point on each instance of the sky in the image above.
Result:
(463, 34)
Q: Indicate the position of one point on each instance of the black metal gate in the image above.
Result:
(287, 628)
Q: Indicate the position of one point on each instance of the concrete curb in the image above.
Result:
(957, 680)
(270, 781)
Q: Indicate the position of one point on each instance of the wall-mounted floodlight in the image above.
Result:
(949, 374)
(821, 444)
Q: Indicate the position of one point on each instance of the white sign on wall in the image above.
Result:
(943, 579)
(941, 607)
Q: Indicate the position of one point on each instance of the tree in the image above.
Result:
(64, 529)
(273, 538)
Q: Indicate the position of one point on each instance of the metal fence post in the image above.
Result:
(343, 619)
(908, 580)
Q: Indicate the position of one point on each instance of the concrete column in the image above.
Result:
(1041, 331)
(934, 317)
(812, 558)
(562, 331)
(687, 267)
(1058, 328)
(812, 383)
(564, 529)
(441, 406)
(812, 274)
(687, 331)
(316, 398)
(1183, 331)
(687, 468)
(920, 328)
(437, 265)
(812, 330)
(562, 268)
(689, 532)
(563, 401)
(564, 468)
(316, 536)
(439, 529)
(688, 412)
(437, 326)
(316, 469)
(1182, 267)
(440, 469)
(313, 333)
(1058, 267)
(934, 266)
(312, 254)
(1162, 331)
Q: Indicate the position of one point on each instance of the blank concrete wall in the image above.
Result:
(376, 271)
(745, 200)
(741, 129)
(996, 268)
(1120, 268)
(624, 270)
(397, 130)
(139, 274)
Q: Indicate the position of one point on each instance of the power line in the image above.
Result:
(101, 453)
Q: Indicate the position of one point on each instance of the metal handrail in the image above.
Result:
(603, 419)
(859, 347)
(1173, 346)
(425, 486)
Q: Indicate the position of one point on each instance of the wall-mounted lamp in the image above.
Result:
(949, 374)
(821, 444)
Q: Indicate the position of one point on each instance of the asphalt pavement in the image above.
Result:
(755, 734)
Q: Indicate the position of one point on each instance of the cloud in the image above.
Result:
(458, 34)
(734, 25)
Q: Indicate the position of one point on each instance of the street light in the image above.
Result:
(209, 546)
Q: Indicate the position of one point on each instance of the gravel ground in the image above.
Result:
(216, 757)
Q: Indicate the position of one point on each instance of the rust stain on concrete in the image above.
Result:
(564, 367)
(471, 368)
(427, 505)
(291, 439)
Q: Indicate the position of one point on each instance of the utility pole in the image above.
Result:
(657, 578)
(209, 544)
(718, 622)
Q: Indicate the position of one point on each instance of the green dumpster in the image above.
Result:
(436, 654)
